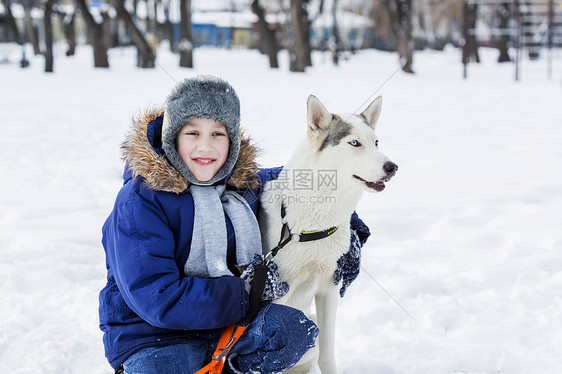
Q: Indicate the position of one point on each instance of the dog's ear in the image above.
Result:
(318, 117)
(373, 112)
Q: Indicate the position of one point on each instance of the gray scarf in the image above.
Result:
(207, 257)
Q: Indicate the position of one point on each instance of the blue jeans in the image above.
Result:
(185, 358)
(275, 341)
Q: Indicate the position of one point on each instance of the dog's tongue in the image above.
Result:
(379, 186)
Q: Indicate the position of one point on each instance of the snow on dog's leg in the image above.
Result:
(326, 307)
(306, 363)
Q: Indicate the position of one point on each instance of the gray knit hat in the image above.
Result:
(204, 96)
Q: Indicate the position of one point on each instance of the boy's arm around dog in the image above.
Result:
(140, 246)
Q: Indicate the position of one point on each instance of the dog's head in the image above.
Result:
(348, 144)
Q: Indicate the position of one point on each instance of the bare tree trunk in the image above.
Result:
(145, 56)
(401, 21)
(301, 31)
(109, 32)
(96, 35)
(306, 28)
(48, 36)
(186, 38)
(470, 48)
(168, 27)
(12, 25)
(405, 41)
(267, 36)
(503, 40)
(337, 42)
(29, 31)
(289, 44)
(67, 21)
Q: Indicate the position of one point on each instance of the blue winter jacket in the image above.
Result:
(148, 300)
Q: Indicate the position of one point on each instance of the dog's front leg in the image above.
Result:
(326, 307)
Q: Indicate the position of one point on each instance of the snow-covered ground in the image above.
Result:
(467, 237)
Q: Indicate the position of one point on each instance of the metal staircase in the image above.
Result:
(534, 26)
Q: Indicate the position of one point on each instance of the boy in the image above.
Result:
(182, 230)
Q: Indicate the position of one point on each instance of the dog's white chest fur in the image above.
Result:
(306, 266)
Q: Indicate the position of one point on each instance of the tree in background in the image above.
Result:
(400, 14)
(186, 35)
(300, 56)
(168, 28)
(48, 36)
(69, 30)
(96, 35)
(145, 54)
(398, 25)
(470, 47)
(503, 15)
(30, 34)
(268, 42)
(337, 43)
(13, 30)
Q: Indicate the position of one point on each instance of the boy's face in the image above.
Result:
(203, 146)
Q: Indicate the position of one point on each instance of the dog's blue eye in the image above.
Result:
(355, 143)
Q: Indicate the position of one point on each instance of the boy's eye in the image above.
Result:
(220, 134)
(355, 143)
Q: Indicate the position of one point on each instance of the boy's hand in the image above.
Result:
(274, 288)
(349, 264)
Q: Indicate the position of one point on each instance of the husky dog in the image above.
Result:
(316, 193)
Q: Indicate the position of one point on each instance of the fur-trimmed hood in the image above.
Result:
(142, 153)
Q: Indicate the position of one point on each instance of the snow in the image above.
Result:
(466, 237)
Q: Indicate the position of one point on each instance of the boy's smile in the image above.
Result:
(203, 146)
(204, 161)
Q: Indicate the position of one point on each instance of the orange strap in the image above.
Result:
(228, 338)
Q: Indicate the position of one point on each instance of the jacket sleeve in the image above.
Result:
(140, 253)
(268, 174)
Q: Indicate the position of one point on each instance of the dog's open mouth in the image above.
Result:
(377, 186)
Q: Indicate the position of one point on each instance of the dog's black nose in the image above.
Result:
(390, 168)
